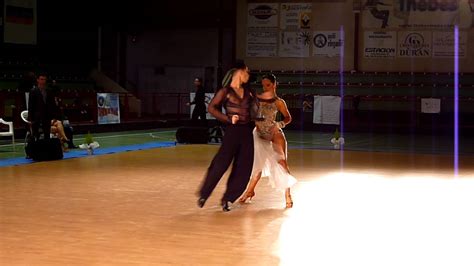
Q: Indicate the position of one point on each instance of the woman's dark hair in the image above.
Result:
(270, 77)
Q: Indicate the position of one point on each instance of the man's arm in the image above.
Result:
(214, 107)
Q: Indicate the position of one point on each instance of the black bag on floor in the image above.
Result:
(195, 135)
(44, 149)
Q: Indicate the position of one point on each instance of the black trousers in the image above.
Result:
(199, 112)
(237, 145)
(69, 134)
(43, 124)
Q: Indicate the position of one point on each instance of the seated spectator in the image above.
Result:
(69, 131)
(62, 126)
(57, 128)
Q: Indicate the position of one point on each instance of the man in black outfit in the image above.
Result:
(237, 145)
(199, 111)
(41, 108)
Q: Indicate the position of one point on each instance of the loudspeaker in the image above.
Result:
(44, 149)
(194, 135)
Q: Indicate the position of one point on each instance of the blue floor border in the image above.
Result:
(100, 151)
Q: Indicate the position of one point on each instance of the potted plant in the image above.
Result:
(337, 140)
(89, 144)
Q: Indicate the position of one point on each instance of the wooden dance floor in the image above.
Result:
(139, 208)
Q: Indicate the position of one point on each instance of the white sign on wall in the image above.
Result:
(417, 14)
(294, 44)
(262, 15)
(295, 16)
(443, 44)
(430, 105)
(327, 110)
(327, 43)
(108, 108)
(413, 44)
(20, 20)
(262, 43)
(380, 44)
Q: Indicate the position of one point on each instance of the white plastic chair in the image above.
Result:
(24, 117)
(9, 133)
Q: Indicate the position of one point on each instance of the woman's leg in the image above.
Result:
(289, 200)
(60, 130)
(280, 146)
(250, 192)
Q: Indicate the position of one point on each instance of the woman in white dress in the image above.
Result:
(270, 147)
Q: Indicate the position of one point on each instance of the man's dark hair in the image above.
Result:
(239, 64)
(42, 74)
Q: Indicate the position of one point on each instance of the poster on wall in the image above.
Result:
(20, 22)
(417, 14)
(413, 44)
(262, 15)
(261, 43)
(443, 44)
(208, 98)
(108, 108)
(430, 105)
(327, 43)
(294, 44)
(327, 110)
(295, 16)
(380, 44)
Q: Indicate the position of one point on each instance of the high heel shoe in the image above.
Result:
(201, 202)
(289, 202)
(225, 205)
(248, 195)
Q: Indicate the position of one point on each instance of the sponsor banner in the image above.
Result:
(295, 16)
(20, 22)
(430, 105)
(294, 44)
(380, 44)
(262, 15)
(261, 44)
(327, 43)
(414, 44)
(108, 108)
(443, 44)
(417, 14)
(327, 110)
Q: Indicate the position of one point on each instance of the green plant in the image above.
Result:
(88, 138)
(336, 134)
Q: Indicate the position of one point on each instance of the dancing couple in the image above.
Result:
(255, 152)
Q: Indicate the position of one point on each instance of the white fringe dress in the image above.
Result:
(265, 157)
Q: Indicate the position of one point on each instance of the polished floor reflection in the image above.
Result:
(139, 208)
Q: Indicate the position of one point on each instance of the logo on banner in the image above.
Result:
(305, 20)
(414, 45)
(263, 12)
(379, 52)
(377, 13)
(320, 40)
(428, 5)
(329, 40)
